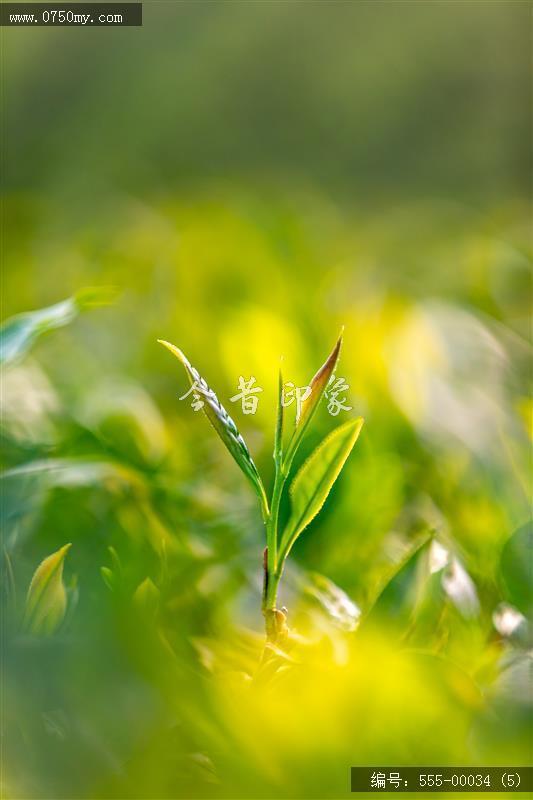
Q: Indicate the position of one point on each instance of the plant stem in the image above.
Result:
(274, 619)
(272, 572)
(272, 591)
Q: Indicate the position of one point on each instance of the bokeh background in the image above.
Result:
(249, 177)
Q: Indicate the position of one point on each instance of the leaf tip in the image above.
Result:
(174, 350)
(95, 297)
(338, 343)
(354, 426)
(59, 554)
(326, 370)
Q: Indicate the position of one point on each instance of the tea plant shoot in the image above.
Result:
(307, 490)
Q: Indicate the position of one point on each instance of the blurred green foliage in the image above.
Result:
(251, 177)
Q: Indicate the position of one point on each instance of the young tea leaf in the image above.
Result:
(46, 601)
(223, 424)
(313, 482)
(318, 386)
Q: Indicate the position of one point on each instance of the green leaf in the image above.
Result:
(18, 333)
(117, 565)
(399, 592)
(8, 580)
(517, 568)
(313, 482)
(24, 489)
(223, 425)
(108, 576)
(146, 598)
(310, 404)
(46, 601)
(112, 575)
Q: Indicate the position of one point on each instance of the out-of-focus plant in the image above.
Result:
(154, 679)
(18, 333)
(46, 601)
(308, 490)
